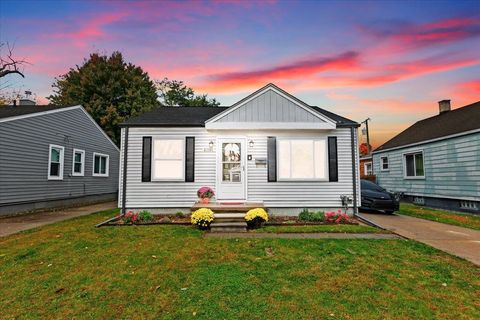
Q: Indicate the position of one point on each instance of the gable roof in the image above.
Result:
(15, 111)
(445, 124)
(12, 113)
(199, 116)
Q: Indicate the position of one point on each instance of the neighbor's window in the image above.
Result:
(55, 162)
(302, 159)
(100, 165)
(168, 159)
(78, 162)
(414, 165)
(384, 163)
(368, 169)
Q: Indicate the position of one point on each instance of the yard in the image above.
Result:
(72, 270)
(449, 217)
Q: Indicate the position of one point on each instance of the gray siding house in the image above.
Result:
(53, 156)
(436, 161)
(269, 148)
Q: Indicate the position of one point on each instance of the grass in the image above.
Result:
(449, 217)
(73, 270)
(336, 228)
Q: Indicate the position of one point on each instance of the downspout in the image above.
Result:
(124, 175)
(354, 171)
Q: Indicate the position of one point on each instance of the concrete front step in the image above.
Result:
(229, 215)
(230, 226)
(228, 229)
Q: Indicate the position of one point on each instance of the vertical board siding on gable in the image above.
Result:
(452, 169)
(276, 108)
(24, 145)
(275, 194)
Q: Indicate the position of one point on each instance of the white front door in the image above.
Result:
(231, 169)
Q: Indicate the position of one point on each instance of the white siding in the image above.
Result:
(274, 194)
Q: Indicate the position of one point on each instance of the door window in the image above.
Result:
(231, 162)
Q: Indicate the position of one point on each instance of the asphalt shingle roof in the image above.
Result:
(14, 111)
(456, 121)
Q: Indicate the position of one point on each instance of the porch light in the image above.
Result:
(251, 143)
(210, 144)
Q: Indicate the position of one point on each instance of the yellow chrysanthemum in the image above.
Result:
(257, 212)
(202, 216)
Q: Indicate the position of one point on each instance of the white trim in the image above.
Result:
(303, 179)
(413, 152)
(268, 87)
(107, 164)
(82, 172)
(381, 163)
(271, 125)
(166, 137)
(62, 157)
(41, 113)
(429, 141)
(365, 168)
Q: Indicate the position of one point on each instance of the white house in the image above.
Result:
(269, 147)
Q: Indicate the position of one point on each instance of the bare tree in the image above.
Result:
(9, 64)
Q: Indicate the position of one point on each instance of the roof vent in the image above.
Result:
(444, 106)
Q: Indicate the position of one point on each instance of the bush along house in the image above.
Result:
(53, 156)
(436, 161)
(269, 150)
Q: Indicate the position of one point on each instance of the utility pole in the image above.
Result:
(368, 136)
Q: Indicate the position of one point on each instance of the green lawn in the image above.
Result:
(449, 217)
(73, 270)
(336, 228)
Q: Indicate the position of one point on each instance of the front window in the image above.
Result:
(100, 165)
(384, 163)
(168, 159)
(302, 159)
(414, 165)
(78, 162)
(368, 169)
(55, 162)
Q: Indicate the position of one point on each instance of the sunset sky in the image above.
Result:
(390, 61)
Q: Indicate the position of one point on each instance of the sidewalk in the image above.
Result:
(13, 225)
(461, 242)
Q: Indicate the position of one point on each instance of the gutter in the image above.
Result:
(354, 171)
(124, 176)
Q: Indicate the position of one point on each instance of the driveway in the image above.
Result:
(461, 242)
(16, 224)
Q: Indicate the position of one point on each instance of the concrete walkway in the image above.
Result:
(323, 235)
(461, 242)
(16, 224)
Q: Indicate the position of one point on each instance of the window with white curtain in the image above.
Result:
(302, 159)
(168, 159)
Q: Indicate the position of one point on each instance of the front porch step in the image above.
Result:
(228, 226)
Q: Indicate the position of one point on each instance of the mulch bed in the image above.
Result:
(295, 221)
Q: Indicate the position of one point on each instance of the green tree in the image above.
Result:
(110, 89)
(176, 93)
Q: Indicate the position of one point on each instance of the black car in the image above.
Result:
(375, 197)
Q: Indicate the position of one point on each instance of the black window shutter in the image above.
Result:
(189, 159)
(147, 159)
(272, 159)
(332, 159)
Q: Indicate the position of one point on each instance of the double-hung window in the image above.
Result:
(100, 164)
(383, 163)
(78, 162)
(55, 162)
(368, 169)
(413, 165)
(168, 159)
(302, 159)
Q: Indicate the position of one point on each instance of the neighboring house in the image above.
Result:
(53, 156)
(436, 161)
(269, 147)
(366, 167)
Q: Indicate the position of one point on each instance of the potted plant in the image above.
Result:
(202, 218)
(256, 218)
(205, 194)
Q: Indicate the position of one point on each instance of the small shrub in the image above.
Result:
(130, 217)
(256, 217)
(202, 218)
(179, 214)
(307, 215)
(337, 217)
(145, 216)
